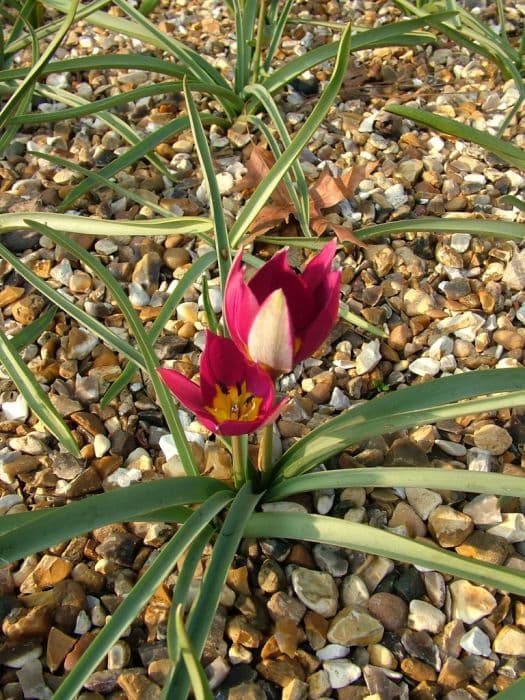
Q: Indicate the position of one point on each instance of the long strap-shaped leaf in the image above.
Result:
(416, 476)
(30, 333)
(222, 243)
(136, 152)
(190, 59)
(185, 225)
(504, 150)
(89, 108)
(416, 405)
(198, 680)
(195, 271)
(477, 227)
(201, 616)
(35, 396)
(40, 529)
(269, 105)
(137, 329)
(16, 43)
(389, 34)
(300, 140)
(83, 318)
(35, 71)
(137, 598)
(364, 538)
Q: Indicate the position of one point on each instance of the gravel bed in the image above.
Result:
(296, 620)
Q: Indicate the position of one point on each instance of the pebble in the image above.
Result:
(16, 410)
(426, 617)
(514, 273)
(317, 590)
(510, 640)
(80, 344)
(32, 681)
(353, 626)
(511, 527)
(341, 673)
(423, 501)
(330, 559)
(470, 603)
(101, 445)
(449, 527)
(493, 439)
(475, 641)
(390, 610)
(368, 357)
(424, 366)
(484, 510)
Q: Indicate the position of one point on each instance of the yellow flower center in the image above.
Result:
(234, 403)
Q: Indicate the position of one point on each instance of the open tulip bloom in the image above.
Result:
(235, 396)
(281, 317)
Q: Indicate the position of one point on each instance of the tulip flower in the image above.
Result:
(235, 396)
(280, 317)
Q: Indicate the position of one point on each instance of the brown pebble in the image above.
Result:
(176, 257)
(281, 671)
(9, 294)
(399, 336)
(58, 646)
(24, 624)
(138, 687)
(418, 670)
(26, 310)
(390, 610)
(453, 674)
(510, 340)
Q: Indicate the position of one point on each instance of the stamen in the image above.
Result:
(234, 403)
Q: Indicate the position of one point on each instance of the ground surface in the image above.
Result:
(449, 303)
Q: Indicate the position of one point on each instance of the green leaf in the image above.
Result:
(513, 201)
(406, 477)
(314, 119)
(104, 182)
(211, 318)
(515, 692)
(136, 152)
(504, 150)
(394, 34)
(195, 271)
(83, 318)
(198, 680)
(180, 591)
(277, 33)
(418, 404)
(303, 198)
(202, 612)
(30, 333)
(364, 538)
(222, 243)
(40, 529)
(150, 360)
(139, 595)
(69, 223)
(35, 396)
(89, 108)
(13, 102)
(360, 322)
(477, 227)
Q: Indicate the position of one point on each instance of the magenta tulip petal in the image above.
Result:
(317, 269)
(314, 335)
(235, 395)
(271, 339)
(280, 317)
(186, 391)
(240, 304)
(221, 363)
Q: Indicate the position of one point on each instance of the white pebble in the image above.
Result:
(16, 410)
(475, 641)
(101, 445)
(332, 651)
(341, 672)
(368, 358)
(424, 366)
(124, 477)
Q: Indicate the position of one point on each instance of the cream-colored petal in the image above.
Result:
(270, 341)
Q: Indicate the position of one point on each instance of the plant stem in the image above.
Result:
(265, 454)
(259, 42)
(238, 462)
